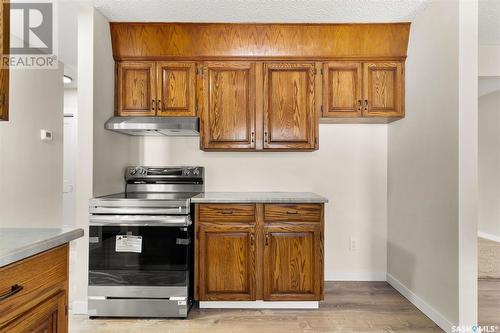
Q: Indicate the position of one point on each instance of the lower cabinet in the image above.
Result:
(226, 262)
(292, 263)
(33, 293)
(246, 257)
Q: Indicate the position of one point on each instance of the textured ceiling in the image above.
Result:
(260, 10)
(489, 22)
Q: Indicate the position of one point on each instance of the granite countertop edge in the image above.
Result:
(259, 197)
(38, 246)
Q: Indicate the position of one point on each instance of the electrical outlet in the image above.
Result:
(353, 244)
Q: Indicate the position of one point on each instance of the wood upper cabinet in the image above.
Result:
(226, 261)
(4, 50)
(290, 117)
(176, 89)
(383, 89)
(228, 115)
(292, 262)
(136, 89)
(342, 89)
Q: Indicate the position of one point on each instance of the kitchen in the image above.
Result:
(347, 167)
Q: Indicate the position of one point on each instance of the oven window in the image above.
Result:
(139, 256)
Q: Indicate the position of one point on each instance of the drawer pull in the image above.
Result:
(292, 212)
(252, 239)
(227, 212)
(267, 239)
(13, 290)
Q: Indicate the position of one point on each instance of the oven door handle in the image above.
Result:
(141, 220)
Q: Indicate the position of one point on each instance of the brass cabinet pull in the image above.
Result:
(366, 105)
(267, 239)
(292, 212)
(252, 239)
(159, 105)
(227, 212)
(153, 102)
(265, 137)
(360, 104)
(252, 137)
(13, 290)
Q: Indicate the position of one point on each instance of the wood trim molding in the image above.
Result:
(168, 41)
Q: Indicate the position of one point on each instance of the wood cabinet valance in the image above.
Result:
(166, 41)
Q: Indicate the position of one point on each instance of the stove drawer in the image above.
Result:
(226, 212)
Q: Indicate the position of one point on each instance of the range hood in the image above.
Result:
(147, 126)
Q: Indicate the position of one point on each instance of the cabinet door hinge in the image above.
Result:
(66, 309)
(321, 107)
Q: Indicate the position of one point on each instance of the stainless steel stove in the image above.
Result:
(141, 244)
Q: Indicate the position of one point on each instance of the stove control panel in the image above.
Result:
(135, 172)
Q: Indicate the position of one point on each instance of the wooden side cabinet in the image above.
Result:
(383, 89)
(136, 89)
(270, 252)
(34, 293)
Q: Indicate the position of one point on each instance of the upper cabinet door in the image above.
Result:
(383, 89)
(5, 50)
(228, 115)
(136, 89)
(290, 119)
(342, 89)
(176, 88)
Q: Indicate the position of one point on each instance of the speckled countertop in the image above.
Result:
(20, 243)
(258, 197)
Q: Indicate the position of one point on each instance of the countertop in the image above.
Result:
(258, 197)
(20, 243)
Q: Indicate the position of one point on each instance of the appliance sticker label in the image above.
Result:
(128, 243)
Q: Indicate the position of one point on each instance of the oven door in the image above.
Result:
(131, 257)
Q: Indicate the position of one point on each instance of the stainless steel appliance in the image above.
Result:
(141, 244)
(147, 126)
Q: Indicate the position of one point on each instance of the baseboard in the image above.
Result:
(423, 306)
(488, 236)
(355, 276)
(258, 305)
(79, 307)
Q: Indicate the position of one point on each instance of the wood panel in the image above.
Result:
(226, 212)
(226, 262)
(176, 88)
(342, 87)
(289, 112)
(47, 317)
(383, 89)
(5, 51)
(136, 94)
(228, 115)
(292, 212)
(162, 41)
(292, 262)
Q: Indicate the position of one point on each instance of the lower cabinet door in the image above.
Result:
(47, 317)
(292, 262)
(226, 258)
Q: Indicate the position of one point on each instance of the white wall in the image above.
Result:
(102, 156)
(350, 169)
(31, 169)
(489, 60)
(428, 214)
(489, 164)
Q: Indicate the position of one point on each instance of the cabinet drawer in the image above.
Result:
(293, 212)
(34, 279)
(226, 212)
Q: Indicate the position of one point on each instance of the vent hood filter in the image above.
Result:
(154, 126)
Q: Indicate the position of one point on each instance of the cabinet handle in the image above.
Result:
(267, 239)
(227, 212)
(265, 137)
(13, 290)
(252, 135)
(292, 212)
(252, 239)
(360, 104)
(366, 105)
(159, 105)
(153, 102)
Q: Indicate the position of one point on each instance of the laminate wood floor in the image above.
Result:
(349, 307)
(489, 302)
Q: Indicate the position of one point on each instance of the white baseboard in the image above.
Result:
(79, 307)
(423, 306)
(355, 276)
(488, 236)
(258, 305)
